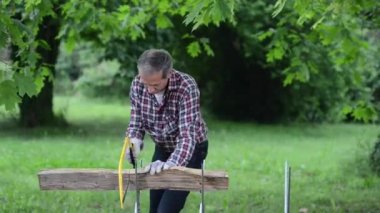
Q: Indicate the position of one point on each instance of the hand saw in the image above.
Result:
(134, 164)
(128, 145)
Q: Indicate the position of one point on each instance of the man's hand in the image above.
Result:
(157, 166)
(136, 146)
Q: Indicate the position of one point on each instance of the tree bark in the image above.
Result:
(38, 110)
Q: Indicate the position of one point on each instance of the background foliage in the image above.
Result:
(274, 60)
(254, 60)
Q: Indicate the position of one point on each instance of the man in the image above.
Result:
(165, 104)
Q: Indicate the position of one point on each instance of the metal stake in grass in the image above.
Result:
(202, 205)
(287, 188)
(137, 203)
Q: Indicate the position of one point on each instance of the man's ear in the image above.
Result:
(169, 73)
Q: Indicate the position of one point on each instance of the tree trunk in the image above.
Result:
(38, 110)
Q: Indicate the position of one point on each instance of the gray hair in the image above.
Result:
(155, 60)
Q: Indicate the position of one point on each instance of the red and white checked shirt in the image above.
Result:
(175, 125)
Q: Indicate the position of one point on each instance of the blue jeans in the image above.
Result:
(172, 201)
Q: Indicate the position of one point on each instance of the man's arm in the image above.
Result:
(189, 115)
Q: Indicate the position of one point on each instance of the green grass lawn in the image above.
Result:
(329, 173)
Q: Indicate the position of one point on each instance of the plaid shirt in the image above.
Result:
(175, 125)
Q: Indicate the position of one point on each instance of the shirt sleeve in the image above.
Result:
(135, 128)
(189, 114)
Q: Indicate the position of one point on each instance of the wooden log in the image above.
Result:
(176, 178)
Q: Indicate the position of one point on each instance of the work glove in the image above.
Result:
(136, 148)
(157, 166)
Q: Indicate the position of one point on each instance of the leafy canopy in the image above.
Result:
(99, 21)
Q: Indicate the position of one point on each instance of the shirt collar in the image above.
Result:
(173, 80)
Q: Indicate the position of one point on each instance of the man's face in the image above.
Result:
(154, 82)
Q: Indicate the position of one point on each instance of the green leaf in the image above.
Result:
(140, 18)
(163, 6)
(190, 17)
(269, 56)
(125, 9)
(16, 33)
(123, 15)
(187, 35)
(205, 43)
(8, 95)
(43, 73)
(364, 113)
(31, 4)
(220, 11)
(278, 7)
(70, 42)
(328, 33)
(289, 79)
(315, 25)
(276, 53)
(44, 44)
(194, 49)
(303, 74)
(25, 84)
(347, 110)
(306, 15)
(266, 34)
(312, 67)
(163, 22)
(137, 32)
(32, 58)
(46, 8)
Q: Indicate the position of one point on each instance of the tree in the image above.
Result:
(255, 55)
(23, 22)
(296, 41)
(344, 29)
(38, 110)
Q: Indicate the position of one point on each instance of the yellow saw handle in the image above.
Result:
(120, 170)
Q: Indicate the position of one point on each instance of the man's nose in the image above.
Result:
(151, 89)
